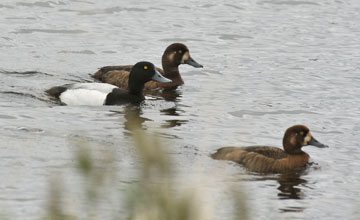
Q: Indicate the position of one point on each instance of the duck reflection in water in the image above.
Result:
(289, 185)
(133, 120)
(174, 111)
(170, 96)
(167, 95)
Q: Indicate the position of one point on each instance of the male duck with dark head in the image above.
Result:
(107, 94)
(174, 55)
(265, 159)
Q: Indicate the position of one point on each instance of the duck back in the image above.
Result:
(104, 70)
(119, 76)
(262, 159)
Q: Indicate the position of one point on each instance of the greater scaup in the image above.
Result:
(107, 94)
(173, 56)
(266, 159)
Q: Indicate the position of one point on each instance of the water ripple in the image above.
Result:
(289, 3)
(24, 129)
(112, 10)
(180, 39)
(40, 4)
(78, 52)
(25, 73)
(7, 117)
(234, 6)
(5, 6)
(241, 113)
(49, 31)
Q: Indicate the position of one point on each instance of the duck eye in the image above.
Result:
(180, 51)
(301, 133)
(146, 67)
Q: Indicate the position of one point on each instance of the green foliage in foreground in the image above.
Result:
(153, 197)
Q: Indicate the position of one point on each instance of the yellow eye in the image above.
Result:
(145, 67)
(301, 133)
(180, 51)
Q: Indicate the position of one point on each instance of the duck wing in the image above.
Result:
(119, 76)
(271, 152)
(104, 70)
(256, 158)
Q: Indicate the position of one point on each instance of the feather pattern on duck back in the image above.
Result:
(119, 76)
(262, 159)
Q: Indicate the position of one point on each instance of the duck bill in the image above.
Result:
(193, 63)
(160, 78)
(316, 143)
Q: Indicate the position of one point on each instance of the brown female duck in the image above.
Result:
(265, 159)
(173, 56)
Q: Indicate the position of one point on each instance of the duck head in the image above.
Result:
(177, 54)
(143, 72)
(298, 136)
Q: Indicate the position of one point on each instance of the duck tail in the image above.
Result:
(221, 153)
(98, 75)
(56, 91)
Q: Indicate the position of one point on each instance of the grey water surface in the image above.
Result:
(267, 65)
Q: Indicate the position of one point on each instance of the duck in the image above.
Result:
(174, 55)
(107, 94)
(266, 159)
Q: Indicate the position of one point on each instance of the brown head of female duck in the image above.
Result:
(266, 159)
(174, 55)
